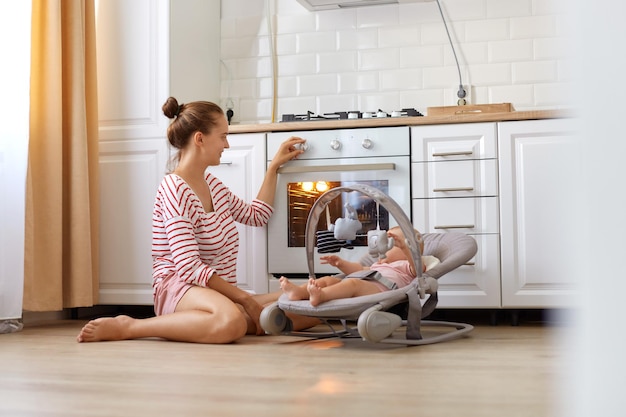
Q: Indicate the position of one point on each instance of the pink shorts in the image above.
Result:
(167, 294)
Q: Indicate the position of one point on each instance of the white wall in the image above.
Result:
(395, 56)
(14, 84)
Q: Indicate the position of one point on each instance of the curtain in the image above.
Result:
(61, 228)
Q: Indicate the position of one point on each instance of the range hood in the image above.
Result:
(316, 5)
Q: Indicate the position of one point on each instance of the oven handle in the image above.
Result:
(331, 168)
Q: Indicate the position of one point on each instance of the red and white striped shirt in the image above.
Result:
(191, 244)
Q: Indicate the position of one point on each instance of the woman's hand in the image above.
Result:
(287, 151)
(253, 309)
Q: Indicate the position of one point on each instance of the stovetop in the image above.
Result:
(348, 115)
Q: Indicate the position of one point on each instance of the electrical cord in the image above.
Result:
(461, 94)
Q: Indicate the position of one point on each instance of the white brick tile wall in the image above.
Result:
(395, 56)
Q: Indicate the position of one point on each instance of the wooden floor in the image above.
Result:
(498, 371)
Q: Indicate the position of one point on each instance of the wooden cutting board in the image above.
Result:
(470, 109)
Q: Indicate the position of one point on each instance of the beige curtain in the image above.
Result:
(61, 247)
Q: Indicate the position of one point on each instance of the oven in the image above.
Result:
(378, 157)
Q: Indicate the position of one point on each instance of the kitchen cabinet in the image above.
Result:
(242, 169)
(513, 186)
(540, 212)
(454, 183)
(135, 77)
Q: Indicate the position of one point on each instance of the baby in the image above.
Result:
(396, 270)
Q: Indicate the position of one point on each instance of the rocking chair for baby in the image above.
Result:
(379, 316)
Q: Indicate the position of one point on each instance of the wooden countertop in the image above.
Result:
(401, 121)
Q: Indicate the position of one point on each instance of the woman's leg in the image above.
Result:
(202, 316)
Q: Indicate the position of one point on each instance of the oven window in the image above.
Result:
(302, 195)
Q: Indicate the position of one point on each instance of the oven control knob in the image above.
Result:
(367, 143)
(335, 144)
(302, 146)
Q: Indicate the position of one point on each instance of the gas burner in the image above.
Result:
(345, 115)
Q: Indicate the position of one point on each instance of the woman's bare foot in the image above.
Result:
(315, 292)
(293, 291)
(106, 328)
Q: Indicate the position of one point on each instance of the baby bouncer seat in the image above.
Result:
(380, 317)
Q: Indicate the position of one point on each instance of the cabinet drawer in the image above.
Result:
(469, 215)
(470, 178)
(453, 142)
(476, 284)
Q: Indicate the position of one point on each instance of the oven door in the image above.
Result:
(298, 184)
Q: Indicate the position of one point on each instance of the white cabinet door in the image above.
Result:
(130, 173)
(132, 85)
(540, 206)
(242, 169)
(454, 179)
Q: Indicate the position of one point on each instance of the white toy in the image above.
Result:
(346, 228)
(379, 243)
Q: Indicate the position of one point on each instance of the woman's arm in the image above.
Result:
(286, 152)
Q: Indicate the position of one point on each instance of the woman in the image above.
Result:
(195, 241)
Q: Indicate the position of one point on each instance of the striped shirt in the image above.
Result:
(191, 244)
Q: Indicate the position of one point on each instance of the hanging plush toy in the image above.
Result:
(378, 243)
(326, 240)
(346, 228)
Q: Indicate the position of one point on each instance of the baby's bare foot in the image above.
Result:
(293, 291)
(106, 328)
(315, 293)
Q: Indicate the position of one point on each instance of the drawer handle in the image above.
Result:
(226, 162)
(445, 190)
(459, 153)
(456, 226)
(469, 263)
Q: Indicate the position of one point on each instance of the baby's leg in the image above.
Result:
(346, 288)
(293, 291)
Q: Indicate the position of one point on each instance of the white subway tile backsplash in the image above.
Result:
(377, 16)
(534, 72)
(337, 62)
(316, 42)
(485, 31)
(442, 77)
(291, 65)
(521, 96)
(400, 79)
(421, 56)
(533, 27)
(458, 10)
(511, 51)
(490, 74)
(508, 8)
(554, 95)
(342, 19)
(336, 102)
(551, 48)
(378, 59)
(295, 23)
(354, 40)
(357, 82)
(321, 84)
(396, 56)
(398, 36)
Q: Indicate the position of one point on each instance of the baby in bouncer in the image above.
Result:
(394, 270)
